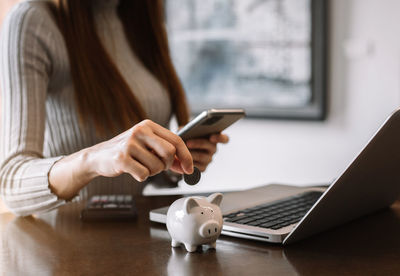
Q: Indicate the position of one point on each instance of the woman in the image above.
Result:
(88, 89)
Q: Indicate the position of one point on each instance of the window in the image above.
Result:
(267, 56)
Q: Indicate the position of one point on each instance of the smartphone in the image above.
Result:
(210, 122)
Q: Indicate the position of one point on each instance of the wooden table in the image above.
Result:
(59, 243)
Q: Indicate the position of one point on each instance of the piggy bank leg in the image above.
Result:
(213, 245)
(190, 248)
(174, 243)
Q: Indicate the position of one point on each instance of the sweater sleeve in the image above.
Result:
(25, 68)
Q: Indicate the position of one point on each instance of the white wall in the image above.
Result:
(364, 89)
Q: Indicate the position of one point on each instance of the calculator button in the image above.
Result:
(95, 199)
(110, 205)
(128, 198)
(120, 198)
(103, 198)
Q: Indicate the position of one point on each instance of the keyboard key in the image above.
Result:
(235, 219)
(258, 212)
(245, 220)
(266, 220)
(253, 216)
(276, 227)
(285, 213)
(286, 223)
(254, 223)
(268, 224)
(273, 212)
(293, 221)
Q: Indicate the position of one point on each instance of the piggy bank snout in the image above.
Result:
(209, 229)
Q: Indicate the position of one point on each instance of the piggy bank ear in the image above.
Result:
(215, 198)
(189, 204)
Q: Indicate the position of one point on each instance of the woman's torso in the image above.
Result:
(63, 135)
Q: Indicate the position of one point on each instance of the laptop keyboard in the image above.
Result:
(278, 214)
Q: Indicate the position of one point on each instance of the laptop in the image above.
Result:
(285, 214)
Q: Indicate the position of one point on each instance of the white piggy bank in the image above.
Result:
(193, 221)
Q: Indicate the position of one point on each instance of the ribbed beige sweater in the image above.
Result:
(39, 119)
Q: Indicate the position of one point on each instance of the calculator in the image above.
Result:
(109, 207)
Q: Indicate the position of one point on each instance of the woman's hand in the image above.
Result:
(202, 150)
(142, 151)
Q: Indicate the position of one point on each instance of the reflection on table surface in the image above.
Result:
(60, 243)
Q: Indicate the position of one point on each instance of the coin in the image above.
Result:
(194, 178)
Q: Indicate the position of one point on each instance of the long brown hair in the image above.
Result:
(102, 96)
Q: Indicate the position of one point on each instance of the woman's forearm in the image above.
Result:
(142, 151)
(71, 173)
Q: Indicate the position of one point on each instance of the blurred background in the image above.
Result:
(363, 88)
